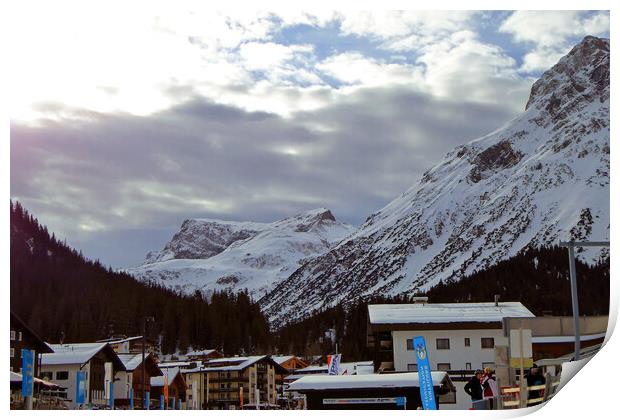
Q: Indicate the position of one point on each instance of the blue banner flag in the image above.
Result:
(147, 400)
(131, 398)
(112, 394)
(161, 402)
(27, 372)
(80, 387)
(427, 394)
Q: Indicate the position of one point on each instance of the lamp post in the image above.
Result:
(573, 286)
(144, 402)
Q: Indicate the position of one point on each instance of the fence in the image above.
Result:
(510, 397)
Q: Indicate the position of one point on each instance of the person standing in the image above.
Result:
(489, 386)
(473, 388)
(534, 377)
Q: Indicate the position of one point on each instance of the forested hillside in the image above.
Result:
(60, 293)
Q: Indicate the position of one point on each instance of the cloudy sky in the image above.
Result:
(126, 122)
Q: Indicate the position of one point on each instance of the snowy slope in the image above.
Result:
(541, 178)
(212, 255)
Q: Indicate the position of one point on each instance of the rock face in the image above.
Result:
(541, 178)
(213, 255)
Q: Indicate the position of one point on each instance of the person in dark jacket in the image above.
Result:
(534, 378)
(474, 386)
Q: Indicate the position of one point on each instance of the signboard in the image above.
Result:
(161, 402)
(399, 401)
(147, 400)
(80, 388)
(131, 398)
(241, 397)
(427, 394)
(27, 372)
(516, 336)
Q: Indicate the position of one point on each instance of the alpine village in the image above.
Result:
(459, 294)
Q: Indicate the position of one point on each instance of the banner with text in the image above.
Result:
(427, 394)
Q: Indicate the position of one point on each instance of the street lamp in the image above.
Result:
(573, 286)
(144, 402)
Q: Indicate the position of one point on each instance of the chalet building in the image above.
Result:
(176, 386)
(124, 344)
(61, 367)
(217, 384)
(291, 364)
(130, 381)
(23, 337)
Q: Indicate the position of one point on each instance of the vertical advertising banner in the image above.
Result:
(161, 402)
(80, 388)
(427, 394)
(131, 398)
(27, 372)
(111, 400)
(241, 397)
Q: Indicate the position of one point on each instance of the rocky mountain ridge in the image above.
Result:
(541, 178)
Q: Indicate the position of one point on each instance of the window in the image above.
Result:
(487, 342)
(467, 342)
(47, 375)
(62, 375)
(488, 365)
(467, 366)
(444, 367)
(443, 344)
(12, 352)
(410, 344)
(412, 367)
(13, 335)
(19, 336)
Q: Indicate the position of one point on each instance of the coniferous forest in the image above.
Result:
(63, 295)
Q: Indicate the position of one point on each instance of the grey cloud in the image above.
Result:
(97, 180)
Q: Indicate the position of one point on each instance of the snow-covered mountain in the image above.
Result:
(209, 254)
(541, 178)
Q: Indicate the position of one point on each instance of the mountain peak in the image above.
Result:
(582, 73)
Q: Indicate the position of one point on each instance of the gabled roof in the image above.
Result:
(235, 364)
(172, 372)
(438, 313)
(41, 345)
(200, 353)
(131, 361)
(282, 359)
(79, 353)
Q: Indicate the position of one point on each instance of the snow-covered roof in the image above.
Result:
(428, 313)
(396, 380)
(200, 353)
(17, 377)
(312, 368)
(71, 353)
(282, 359)
(119, 340)
(179, 363)
(172, 372)
(130, 360)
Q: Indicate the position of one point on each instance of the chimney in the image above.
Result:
(496, 300)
